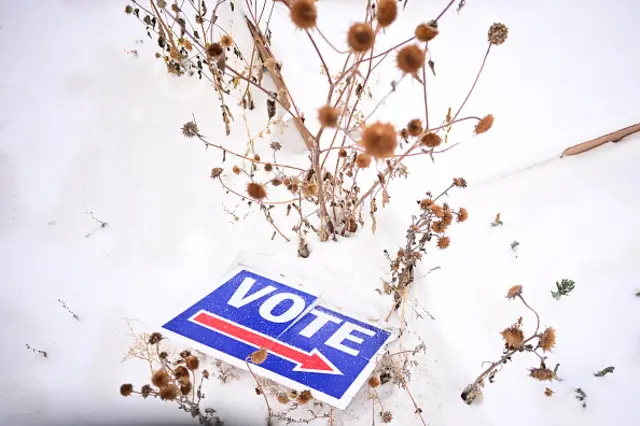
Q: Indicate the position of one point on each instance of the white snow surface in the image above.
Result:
(86, 126)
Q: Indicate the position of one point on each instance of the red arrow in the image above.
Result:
(313, 362)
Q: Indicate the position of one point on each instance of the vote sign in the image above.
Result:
(310, 346)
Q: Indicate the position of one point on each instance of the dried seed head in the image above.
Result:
(328, 116)
(216, 172)
(163, 355)
(180, 372)
(414, 128)
(431, 140)
(426, 32)
(145, 391)
(160, 378)
(128, 10)
(190, 130)
(484, 124)
(214, 50)
(443, 242)
(447, 217)
(155, 338)
(126, 389)
(309, 189)
(276, 181)
(283, 398)
(410, 59)
(304, 397)
(226, 41)
(342, 153)
(256, 191)
(513, 337)
(387, 12)
(460, 182)
(363, 161)
(256, 157)
(168, 392)
(185, 354)
(386, 417)
(498, 33)
(426, 203)
(463, 214)
(186, 388)
(192, 362)
(548, 392)
(268, 167)
(304, 13)
(548, 339)
(361, 37)
(259, 356)
(541, 373)
(380, 140)
(438, 227)
(236, 170)
(374, 381)
(275, 145)
(437, 210)
(514, 292)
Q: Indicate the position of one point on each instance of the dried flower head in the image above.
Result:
(216, 172)
(160, 378)
(548, 392)
(410, 59)
(426, 32)
(414, 128)
(256, 157)
(190, 130)
(226, 40)
(192, 362)
(328, 116)
(404, 134)
(185, 353)
(513, 337)
(283, 398)
(387, 12)
(514, 292)
(374, 381)
(145, 391)
(437, 210)
(484, 124)
(548, 339)
(443, 242)
(268, 167)
(361, 37)
(185, 388)
(236, 170)
(256, 191)
(426, 203)
(180, 372)
(380, 140)
(276, 146)
(541, 373)
(438, 227)
(259, 356)
(498, 33)
(363, 161)
(463, 214)
(126, 389)
(431, 140)
(459, 182)
(304, 13)
(168, 392)
(214, 50)
(447, 217)
(386, 417)
(128, 9)
(304, 397)
(342, 153)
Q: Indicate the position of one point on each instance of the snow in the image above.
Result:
(86, 127)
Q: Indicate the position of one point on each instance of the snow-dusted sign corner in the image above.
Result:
(309, 346)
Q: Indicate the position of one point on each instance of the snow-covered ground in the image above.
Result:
(87, 127)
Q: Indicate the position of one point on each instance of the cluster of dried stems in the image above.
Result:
(327, 194)
(515, 341)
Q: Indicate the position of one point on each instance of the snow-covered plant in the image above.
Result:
(331, 189)
(515, 341)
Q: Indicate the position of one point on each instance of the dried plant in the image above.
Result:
(329, 194)
(515, 341)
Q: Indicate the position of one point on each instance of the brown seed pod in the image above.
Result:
(361, 37)
(328, 116)
(414, 128)
(226, 40)
(387, 12)
(514, 292)
(443, 242)
(363, 161)
(186, 388)
(304, 13)
(216, 172)
(548, 339)
(304, 397)
(513, 337)
(256, 191)
(463, 214)
(541, 373)
(283, 398)
(155, 338)
(410, 59)
(380, 140)
(168, 392)
(192, 362)
(259, 356)
(180, 372)
(426, 32)
(437, 210)
(460, 182)
(214, 50)
(374, 381)
(126, 389)
(160, 378)
(426, 203)
(431, 140)
(498, 34)
(484, 124)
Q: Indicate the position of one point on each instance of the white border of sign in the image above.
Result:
(340, 404)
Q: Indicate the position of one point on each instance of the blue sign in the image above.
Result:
(310, 346)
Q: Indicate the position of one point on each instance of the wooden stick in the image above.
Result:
(593, 143)
(265, 54)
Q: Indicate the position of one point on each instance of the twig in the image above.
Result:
(64, 305)
(259, 386)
